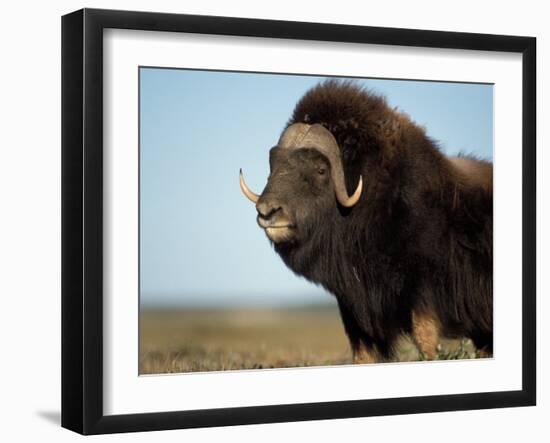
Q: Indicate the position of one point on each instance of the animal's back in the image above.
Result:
(476, 172)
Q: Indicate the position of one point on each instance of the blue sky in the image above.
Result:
(199, 242)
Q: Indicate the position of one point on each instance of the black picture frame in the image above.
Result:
(82, 217)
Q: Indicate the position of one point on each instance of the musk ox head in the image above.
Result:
(306, 181)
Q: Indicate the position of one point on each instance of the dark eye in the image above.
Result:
(321, 170)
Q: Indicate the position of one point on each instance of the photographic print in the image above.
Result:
(298, 220)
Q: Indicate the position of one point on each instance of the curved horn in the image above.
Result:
(247, 192)
(351, 201)
(301, 135)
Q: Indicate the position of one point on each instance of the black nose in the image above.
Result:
(266, 209)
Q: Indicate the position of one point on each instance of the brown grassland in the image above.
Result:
(192, 340)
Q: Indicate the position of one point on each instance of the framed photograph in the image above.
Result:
(269, 221)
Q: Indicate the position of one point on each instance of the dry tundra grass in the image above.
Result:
(173, 341)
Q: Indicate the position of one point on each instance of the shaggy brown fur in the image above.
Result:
(414, 255)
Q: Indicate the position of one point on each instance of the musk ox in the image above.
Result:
(361, 201)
